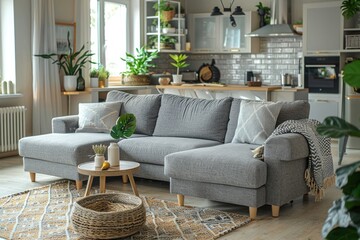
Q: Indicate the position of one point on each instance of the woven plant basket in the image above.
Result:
(136, 80)
(108, 216)
(167, 15)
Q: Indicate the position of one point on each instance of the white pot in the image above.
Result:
(99, 160)
(177, 78)
(114, 154)
(70, 83)
(168, 30)
(94, 82)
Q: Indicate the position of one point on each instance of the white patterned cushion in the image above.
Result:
(256, 121)
(98, 117)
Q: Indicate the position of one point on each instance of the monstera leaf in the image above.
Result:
(336, 127)
(351, 73)
(125, 126)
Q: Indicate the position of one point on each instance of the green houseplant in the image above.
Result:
(70, 63)
(264, 13)
(164, 10)
(349, 8)
(343, 221)
(125, 126)
(137, 67)
(179, 62)
(103, 77)
(94, 78)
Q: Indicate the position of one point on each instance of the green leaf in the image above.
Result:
(337, 214)
(351, 73)
(125, 126)
(344, 172)
(353, 182)
(341, 233)
(355, 215)
(336, 127)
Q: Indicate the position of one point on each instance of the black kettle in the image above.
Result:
(208, 73)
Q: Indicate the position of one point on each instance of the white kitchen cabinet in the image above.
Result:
(322, 28)
(324, 105)
(214, 34)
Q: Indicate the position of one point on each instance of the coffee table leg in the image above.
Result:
(133, 185)
(125, 178)
(88, 186)
(102, 184)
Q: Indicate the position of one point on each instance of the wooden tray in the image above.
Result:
(254, 84)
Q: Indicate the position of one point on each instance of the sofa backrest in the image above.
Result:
(192, 117)
(144, 107)
(289, 111)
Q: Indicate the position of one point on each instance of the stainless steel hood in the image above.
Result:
(279, 24)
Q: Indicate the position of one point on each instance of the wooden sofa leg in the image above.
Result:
(78, 184)
(32, 176)
(275, 210)
(180, 198)
(252, 212)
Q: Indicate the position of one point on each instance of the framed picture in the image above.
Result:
(62, 30)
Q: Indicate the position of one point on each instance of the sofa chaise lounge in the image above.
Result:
(189, 142)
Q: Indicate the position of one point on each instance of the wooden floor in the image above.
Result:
(301, 220)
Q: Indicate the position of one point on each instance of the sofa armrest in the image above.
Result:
(286, 157)
(286, 147)
(65, 124)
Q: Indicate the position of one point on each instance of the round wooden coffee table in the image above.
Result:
(126, 168)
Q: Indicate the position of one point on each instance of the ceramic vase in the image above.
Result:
(94, 82)
(99, 160)
(114, 154)
(70, 82)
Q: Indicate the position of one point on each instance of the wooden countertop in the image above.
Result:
(219, 88)
(234, 87)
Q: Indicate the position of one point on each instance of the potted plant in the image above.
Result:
(167, 28)
(124, 127)
(70, 63)
(343, 217)
(94, 78)
(103, 77)
(264, 13)
(166, 42)
(350, 7)
(164, 10)
(179, 62)
(137, 67)
(99, 150)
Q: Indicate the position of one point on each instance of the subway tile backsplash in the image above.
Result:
(278, 55)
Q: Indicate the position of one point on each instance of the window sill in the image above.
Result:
(15, 95)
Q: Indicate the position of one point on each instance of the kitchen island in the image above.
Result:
(213, 91)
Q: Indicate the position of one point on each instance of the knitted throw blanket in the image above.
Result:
(320, 172)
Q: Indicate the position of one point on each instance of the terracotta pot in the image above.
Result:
(168, 15)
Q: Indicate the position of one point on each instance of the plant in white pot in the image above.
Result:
(179, 62)
(70, 63)
(94, 78)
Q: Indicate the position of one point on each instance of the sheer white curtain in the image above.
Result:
(83, 32)
(46, 84)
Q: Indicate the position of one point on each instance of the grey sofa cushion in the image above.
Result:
(194, 118)
(293, 111)
(256, 121)
(144, 107)
(290, 110)
(70, 148)
(154, 149)
(228, 164)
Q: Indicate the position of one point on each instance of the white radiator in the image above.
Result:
(12, 127)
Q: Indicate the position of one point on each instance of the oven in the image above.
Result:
(321, 74)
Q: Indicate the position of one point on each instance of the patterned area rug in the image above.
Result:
(44, 213)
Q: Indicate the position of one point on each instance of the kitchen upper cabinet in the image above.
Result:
(215, 34)
(322, 28)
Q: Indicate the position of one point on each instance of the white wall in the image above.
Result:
(206, 6)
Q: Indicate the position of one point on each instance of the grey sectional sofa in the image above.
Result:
(188, 142)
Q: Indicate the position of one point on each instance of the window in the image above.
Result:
(7, 43)
(110, 33)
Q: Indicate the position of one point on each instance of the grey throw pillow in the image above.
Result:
(98, 117)
(256, 121)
